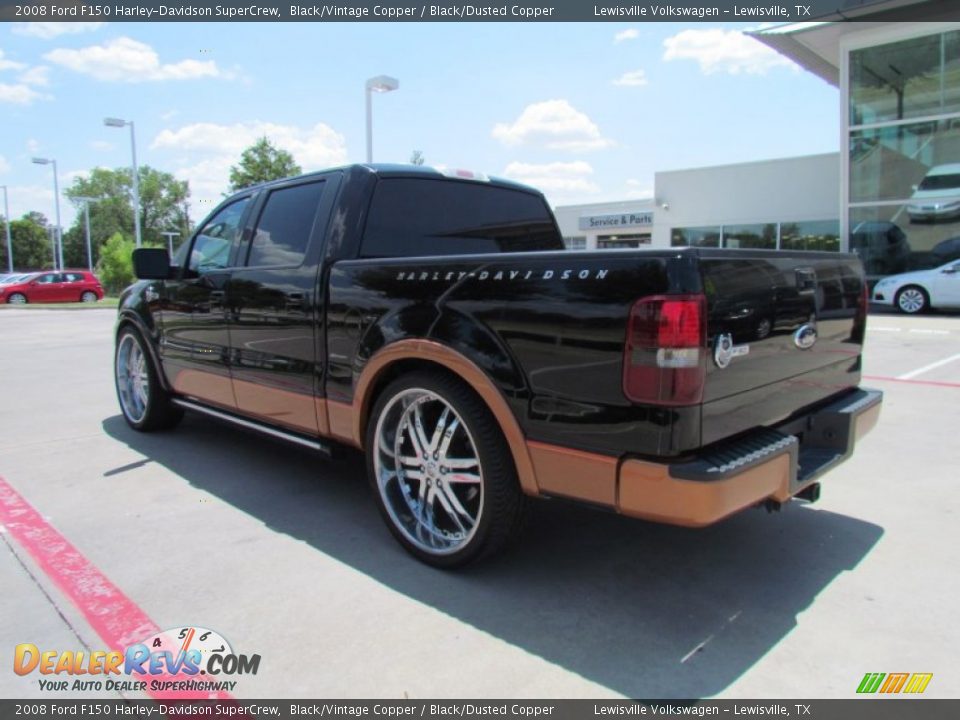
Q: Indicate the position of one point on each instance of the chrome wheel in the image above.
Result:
(17, 299)
(428, 472)
(133, 380)
(911, 300)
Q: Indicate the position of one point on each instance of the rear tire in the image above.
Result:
(89, 297)
(442, 472)
(912, 300)
(145, 404)
(17, 299)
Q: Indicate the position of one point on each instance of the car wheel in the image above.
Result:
(912, 299)
(145, 404)
(89, 297)
(442, 472)
(17, 299)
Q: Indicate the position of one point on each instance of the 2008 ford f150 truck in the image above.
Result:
(435, 321)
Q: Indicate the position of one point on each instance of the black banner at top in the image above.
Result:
(753, 11)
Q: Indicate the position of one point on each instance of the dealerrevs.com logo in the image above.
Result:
(183, 659)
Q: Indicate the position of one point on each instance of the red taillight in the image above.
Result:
(664, 356)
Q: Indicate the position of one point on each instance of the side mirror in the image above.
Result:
(949, 270)
(151, 264)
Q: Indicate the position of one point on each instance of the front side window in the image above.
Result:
(419, 217)
(211, 249)
(49, 278)
(285, 225)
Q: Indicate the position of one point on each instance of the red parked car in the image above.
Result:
(61, 286)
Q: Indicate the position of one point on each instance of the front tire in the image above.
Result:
(912, 300)
(145, 404)
(17, 299)
(441, 471)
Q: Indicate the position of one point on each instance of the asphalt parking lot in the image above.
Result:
(283, 554)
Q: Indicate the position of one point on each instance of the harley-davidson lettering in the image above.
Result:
(498, 275)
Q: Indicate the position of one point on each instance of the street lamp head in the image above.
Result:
(42, 161)
(114, 122)
(382, 84)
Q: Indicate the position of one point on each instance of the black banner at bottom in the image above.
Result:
(853, 709)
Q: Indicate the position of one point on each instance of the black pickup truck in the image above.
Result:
(435, 321)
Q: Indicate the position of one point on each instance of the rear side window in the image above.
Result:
(285, 226)
(414, 217)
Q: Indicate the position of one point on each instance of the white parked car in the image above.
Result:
(937, 197)
(914, 292)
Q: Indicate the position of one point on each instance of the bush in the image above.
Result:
(115, 267)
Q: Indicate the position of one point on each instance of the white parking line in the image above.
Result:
(930, 332)
(927, 368)
(885, 329)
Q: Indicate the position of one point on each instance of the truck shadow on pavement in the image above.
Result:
(648, 611)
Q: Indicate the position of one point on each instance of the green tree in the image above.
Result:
(29, 236)
(115, 267)
(162, 207)
(262, 162)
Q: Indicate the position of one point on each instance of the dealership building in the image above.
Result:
(892, 193)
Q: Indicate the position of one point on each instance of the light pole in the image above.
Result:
(378, 84)
(58, 240)
(170, 236)
(86, 218)
(117, 122)
(6, 217)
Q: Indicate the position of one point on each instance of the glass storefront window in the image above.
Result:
(890, 163)
(815, 235)
(888, 243)
(763, 237)
(907, 79)
(695, 237)
(578, 242)
(607, 242)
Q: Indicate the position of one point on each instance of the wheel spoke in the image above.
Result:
(460, 463)
(445, 503)
(462, 478)
(418, 428)
(447, 437)
(438, 430)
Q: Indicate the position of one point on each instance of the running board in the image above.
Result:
(311, 443)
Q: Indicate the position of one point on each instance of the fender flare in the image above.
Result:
(347, 422)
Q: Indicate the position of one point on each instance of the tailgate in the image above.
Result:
(784, 332)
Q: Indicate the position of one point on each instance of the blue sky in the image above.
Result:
(587, 112)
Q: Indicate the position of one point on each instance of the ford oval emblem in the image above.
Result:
(805, 337)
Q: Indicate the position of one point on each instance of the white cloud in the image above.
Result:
(556, 178)
(101, 145)
(39, 75)
(633, 78)
(19, 94)
(4, 165)
(10, 64)
(214, 148)
(556, 124)
(718, 50)
(638, 190)
(48, 30)
(33, 146)
(127, 60)
(631, 34)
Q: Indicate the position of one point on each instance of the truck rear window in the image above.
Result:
(417, 217)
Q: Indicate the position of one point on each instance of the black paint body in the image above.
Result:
(548, 327)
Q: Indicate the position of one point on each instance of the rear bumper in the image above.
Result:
(769, 464)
